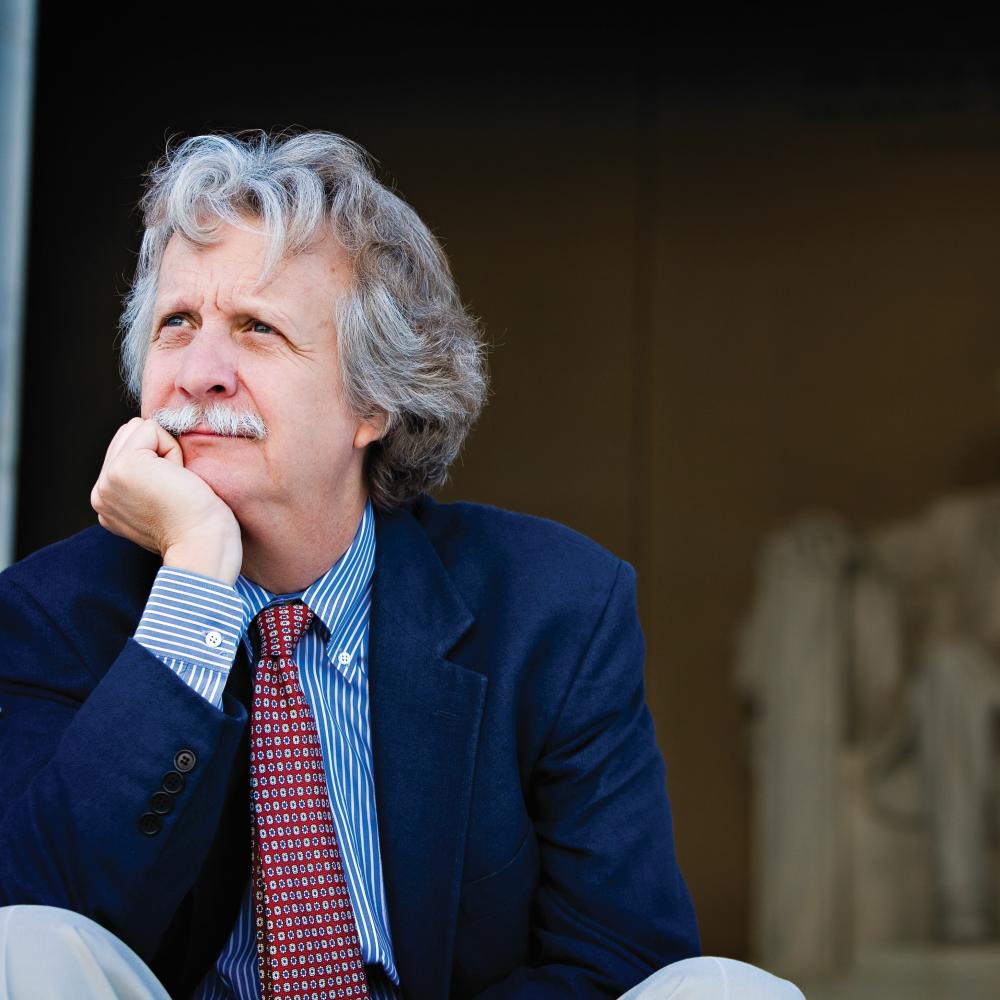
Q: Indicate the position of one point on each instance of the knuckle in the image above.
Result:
(113, 476)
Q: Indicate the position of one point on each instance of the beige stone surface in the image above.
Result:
(916, 974)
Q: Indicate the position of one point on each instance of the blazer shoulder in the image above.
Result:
(460, 524)
(491, 552)
(92, 558)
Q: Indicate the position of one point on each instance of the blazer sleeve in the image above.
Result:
(611, 905)
(111, 782)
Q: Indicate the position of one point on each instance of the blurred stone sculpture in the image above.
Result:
(873, 664)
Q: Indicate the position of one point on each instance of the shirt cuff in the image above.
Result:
(192, 619)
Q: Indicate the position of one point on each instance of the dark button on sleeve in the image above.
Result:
(161, 803)
(185, 761)
(150, 824)
(173, 782)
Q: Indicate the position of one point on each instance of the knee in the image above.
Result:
(46, 951)
(713, 979)
(26, 929)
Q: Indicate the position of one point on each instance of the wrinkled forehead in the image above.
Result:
(245, 258)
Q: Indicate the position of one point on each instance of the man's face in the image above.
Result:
(219, 339)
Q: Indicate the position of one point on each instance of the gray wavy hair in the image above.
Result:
(408, 347)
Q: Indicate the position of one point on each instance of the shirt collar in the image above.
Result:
(340, 599)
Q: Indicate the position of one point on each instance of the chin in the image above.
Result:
(227, 479)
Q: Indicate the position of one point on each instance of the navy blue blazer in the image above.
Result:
(522, 808)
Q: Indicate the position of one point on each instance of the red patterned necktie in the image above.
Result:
(307, 941)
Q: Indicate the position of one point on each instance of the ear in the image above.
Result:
(370, 429)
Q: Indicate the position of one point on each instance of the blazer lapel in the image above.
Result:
(425, 714)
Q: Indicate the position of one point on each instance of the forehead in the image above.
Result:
(233, 265)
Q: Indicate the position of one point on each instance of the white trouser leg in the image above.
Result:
(53, 953)
(713, 979)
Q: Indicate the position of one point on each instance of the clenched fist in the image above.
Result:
(145, 494)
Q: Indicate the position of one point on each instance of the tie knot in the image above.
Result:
(281, 626)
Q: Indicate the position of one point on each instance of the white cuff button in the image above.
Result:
(213, 638)
(344, 659)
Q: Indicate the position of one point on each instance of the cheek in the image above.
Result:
(151, 395)
(146, 404)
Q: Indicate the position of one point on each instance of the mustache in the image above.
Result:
(219, 419)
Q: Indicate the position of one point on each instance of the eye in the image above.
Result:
(172, 321)
(258, 327)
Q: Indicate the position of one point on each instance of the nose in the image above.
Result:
(208, 368)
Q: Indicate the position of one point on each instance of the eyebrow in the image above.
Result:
(248, 307)
(172, 304)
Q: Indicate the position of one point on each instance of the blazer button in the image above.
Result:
(150, 824)
(161, 803)
(185, 761)
(173, 782)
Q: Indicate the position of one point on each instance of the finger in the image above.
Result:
(148, 435)
(121, 436)
(167, 446)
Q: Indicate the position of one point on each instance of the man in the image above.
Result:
(282, 723)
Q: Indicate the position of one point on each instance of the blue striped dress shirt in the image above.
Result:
(194, 625)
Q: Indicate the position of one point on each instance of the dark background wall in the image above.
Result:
(729, 272)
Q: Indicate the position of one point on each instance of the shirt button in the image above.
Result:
(344, 658)
(213, 638)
